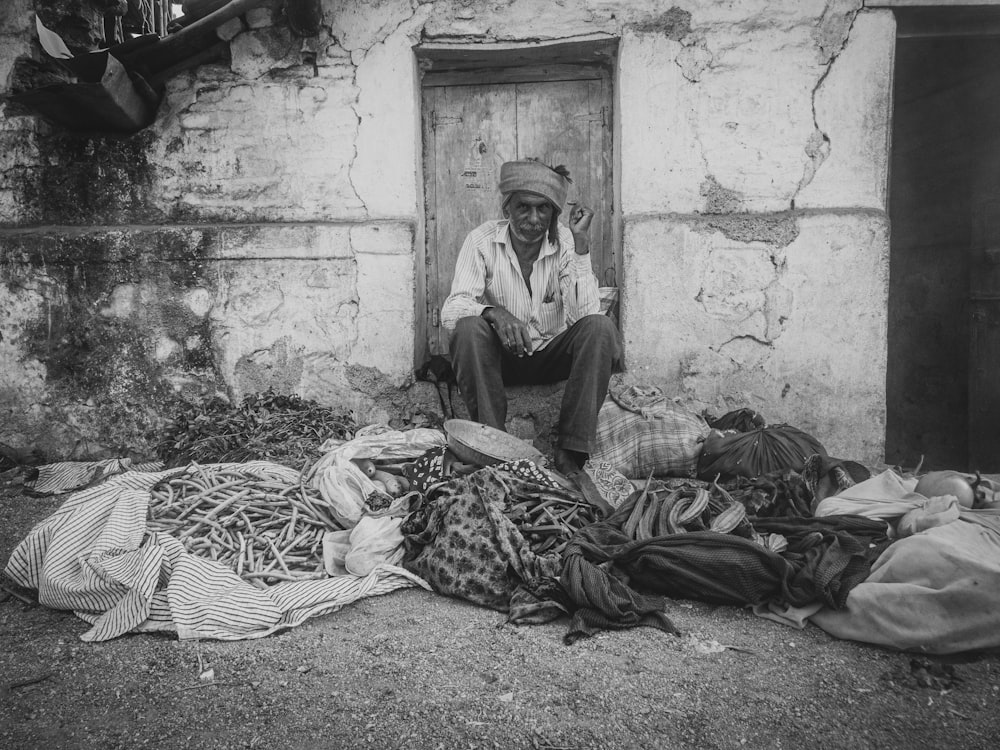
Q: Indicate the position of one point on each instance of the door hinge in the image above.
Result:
(600, 116)
(439, 119)
(436, 317)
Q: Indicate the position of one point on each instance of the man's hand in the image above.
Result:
(578, 219)
(514, 335)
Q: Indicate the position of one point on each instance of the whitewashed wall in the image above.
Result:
(752, 150)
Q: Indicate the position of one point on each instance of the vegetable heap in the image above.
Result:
(265, 527)
(548, 517)
(265, 426)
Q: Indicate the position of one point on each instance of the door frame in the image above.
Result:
(464, 64)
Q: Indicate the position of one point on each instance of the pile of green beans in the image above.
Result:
(265, 529)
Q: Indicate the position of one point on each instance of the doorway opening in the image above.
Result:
(482, 105)
(943, 375)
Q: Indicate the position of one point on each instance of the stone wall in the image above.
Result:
(267, 230)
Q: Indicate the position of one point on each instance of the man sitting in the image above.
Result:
(524, 308)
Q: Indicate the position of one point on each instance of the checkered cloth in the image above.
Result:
(640, 431)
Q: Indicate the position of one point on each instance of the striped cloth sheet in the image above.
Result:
(95, 556)
(69, 476)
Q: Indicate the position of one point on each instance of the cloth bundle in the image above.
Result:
(937, 591)
(96, 557)
(755, 453)
(640, 431)
(463, 545)
(824, 560)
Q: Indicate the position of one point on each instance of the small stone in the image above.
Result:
(258, 18)
(229, 29)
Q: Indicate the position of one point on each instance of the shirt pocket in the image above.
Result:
(549, 316)
(551, 296)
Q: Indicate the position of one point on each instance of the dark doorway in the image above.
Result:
(942, 395)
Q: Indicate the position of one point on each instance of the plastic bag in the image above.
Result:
(374, 541)
(346, 488)
(381, 442)
(336, 545)
(753, 454)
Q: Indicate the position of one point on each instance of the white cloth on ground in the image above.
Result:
(937, 591)
(95, 556)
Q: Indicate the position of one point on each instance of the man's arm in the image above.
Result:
(577, 282)
(468, 286)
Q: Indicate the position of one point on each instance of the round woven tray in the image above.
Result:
(476, 443)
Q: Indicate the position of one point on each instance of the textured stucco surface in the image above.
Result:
(289, 184)
(795, 331)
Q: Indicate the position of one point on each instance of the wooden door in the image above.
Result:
(470, 129)
(984, 343)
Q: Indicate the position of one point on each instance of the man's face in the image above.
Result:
(530, 216)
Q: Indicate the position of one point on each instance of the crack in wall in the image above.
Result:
(818, 146)
(742, 337)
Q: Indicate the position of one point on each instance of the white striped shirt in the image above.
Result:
(563, 285)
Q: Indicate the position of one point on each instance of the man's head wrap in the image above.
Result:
(530, 176)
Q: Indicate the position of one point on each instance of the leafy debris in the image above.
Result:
(265, 426)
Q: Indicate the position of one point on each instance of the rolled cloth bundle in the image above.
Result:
(755, 453)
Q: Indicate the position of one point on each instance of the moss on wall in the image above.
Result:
(91, 179)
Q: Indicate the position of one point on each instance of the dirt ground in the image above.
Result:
(416, 670)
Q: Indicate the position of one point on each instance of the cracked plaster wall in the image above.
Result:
(755, 236)
(299, 161)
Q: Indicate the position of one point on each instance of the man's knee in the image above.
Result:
(471, 331)
(599, 327)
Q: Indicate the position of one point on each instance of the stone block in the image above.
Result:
(262, 51)
(385, 238)
(360, 26)
(385, 322)
(303, 241)
(230, 29)
(383, 172)
(260, 17)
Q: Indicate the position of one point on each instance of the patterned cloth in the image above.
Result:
(434, 467)
(95, 556)
(463, 545)
(640, 431)
(612, 485)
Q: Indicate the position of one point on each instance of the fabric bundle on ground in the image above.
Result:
(937, 591)
(640, 431)
(96, 557)
(69, 476)
(825, 558)
(752, 454)
(463, 545)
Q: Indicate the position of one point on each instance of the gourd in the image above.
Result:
(962, 486)
(391, 482)
(366, 465)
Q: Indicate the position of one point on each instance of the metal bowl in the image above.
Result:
(475, 443)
